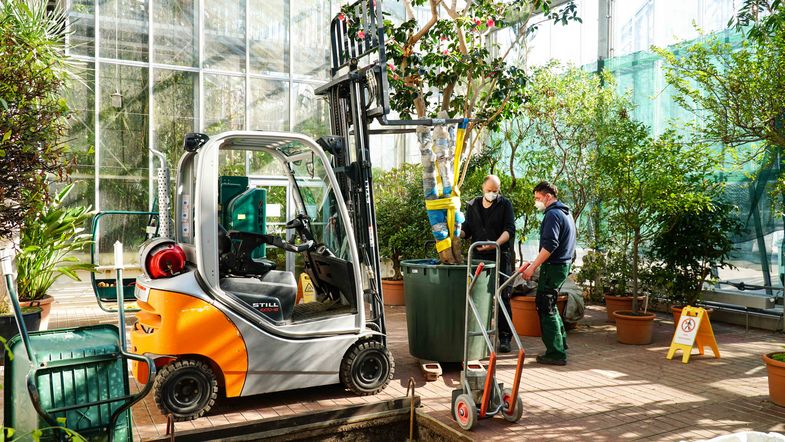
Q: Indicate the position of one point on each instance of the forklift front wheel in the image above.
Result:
(507, 399)
(465, 411)
(185, 388)
(367, 368)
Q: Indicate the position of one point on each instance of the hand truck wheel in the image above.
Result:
(465, 411)
(507, 399)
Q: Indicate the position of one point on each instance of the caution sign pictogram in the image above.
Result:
(688, 325)
(306, 292)
(693, 328)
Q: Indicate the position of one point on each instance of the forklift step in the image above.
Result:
(431, 370)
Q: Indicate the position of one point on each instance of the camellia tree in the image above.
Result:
(452, 63)
(449, 65)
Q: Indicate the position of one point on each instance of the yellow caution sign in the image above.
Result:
(306, 292)
(694, 328)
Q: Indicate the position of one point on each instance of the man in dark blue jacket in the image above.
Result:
(557, 248)
(490, 218)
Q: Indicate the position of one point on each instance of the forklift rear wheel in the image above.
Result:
(465, 411)
(507, 399)
(367, 368)
(185, 388)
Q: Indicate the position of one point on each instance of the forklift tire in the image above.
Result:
(186, 389)
(507, 398)
(465, 411)
(367, 368)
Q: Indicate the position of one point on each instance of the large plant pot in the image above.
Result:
(46, 307)
(776, 371)
(436, 309)
(393, 291)
(525, 317)
(676, 312)
(633, 329)
(616, 303)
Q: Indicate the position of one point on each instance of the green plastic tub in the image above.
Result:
(435, 297)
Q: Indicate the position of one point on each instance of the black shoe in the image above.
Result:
(504, 344)
(541, 359)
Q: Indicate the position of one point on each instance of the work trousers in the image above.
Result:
(554, 336)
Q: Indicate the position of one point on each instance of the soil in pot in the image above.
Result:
(776, 370)
(525, 317)
(46, 307)
(392, 290)
(632, 328)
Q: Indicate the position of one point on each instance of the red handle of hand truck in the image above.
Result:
(489, 379)
(516, 384)
(479, 269)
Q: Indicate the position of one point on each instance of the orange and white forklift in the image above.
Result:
(217, 316)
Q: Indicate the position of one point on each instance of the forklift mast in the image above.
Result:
(356, 95)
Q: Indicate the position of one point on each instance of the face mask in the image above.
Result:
(491, 196)
(539, 205)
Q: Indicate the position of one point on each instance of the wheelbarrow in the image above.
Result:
(75, 379)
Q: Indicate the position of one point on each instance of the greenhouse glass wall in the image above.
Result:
(153, 70)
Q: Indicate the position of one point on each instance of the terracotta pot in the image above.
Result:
(615, 303)
(633, 329)
(776, 371)
(392, 291)
(525, 317)
(676, 311)
(46, 306)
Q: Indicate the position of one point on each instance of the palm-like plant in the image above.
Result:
(49, 238)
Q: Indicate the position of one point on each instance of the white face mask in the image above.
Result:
(539, 205)
(491, 196)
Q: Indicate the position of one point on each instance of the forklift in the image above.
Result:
(216, 316)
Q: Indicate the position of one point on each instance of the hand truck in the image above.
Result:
(480, 396)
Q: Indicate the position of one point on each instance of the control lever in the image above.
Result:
(280, 243)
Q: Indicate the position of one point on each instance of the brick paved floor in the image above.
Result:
(608, 391)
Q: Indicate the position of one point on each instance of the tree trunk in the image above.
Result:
(635, 245)
(396, 262)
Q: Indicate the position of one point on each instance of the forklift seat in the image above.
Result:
(272, 294)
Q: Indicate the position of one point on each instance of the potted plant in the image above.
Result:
(402, 225)
(775, 365)
(32, 113)
(615, 277)
(644, 177)
(686, 249)
(8, 327)
(50, 237)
